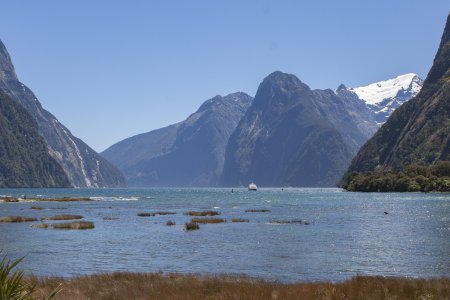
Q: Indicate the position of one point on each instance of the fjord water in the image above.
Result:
(348, 233)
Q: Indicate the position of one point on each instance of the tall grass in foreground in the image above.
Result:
(13, 285)
(173, 286)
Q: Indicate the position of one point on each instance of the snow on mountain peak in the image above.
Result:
(376, 92)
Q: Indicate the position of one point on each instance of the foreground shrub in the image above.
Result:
(205, 213)
(13, 285)
(192, 226)
(16, 219)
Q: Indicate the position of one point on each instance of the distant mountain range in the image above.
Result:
(418, 132)
(289, 135)
(82, 165)
(189, 153)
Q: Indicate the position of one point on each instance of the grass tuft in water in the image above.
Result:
(192, 226)
(205, 213)
(16, 219)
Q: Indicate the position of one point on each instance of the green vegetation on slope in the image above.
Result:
(414, 178)
(24, 158)
(417, 133)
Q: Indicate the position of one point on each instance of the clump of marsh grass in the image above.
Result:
(192, 226)
(257, 210)
(16, 219)
(74, 225)
(41, 225)
(145, 214)
(170, 223)
(205, 213)
(63, 217)
(290, 222)
(207, 220)
(163, 213)
(153, 214)
(37, 207)
(239, 220)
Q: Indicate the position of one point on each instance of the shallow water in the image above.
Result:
(348, 234)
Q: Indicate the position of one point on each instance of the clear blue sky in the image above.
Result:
(112, 69)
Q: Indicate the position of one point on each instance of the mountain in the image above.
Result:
(24, 158)
(418, 132)
(189, 153)
(82, 165)
(295, 136)
(385, 96)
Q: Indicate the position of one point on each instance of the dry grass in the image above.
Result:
(205, 213)
(192, 226)
(74, 225)
(170, 223)
(153, 214)
(290, 222)
(41, 225)
(37, 207)
(158, 286)
(207, 220)
(257, 210)
(63, 217)
(16, 219)
(239, 220)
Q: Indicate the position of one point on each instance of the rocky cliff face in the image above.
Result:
(82, 165)
(294, 136)
(189, 153)
(24, 158)
(418, 131)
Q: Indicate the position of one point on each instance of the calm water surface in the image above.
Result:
(348, 234)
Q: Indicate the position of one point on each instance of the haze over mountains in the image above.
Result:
(419, 131)
(189, 153)
(289, 135)
(82, 165)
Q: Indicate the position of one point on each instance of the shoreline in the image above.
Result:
(35, 199)
(126, 285)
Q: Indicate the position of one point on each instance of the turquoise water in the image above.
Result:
(348, 233)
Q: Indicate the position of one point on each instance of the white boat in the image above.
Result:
(252, 187)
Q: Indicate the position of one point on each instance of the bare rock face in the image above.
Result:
(82, 165)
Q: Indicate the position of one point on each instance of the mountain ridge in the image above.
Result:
(418, 132)
(193, 147)
(82, 165)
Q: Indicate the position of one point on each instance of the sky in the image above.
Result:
(109, 69)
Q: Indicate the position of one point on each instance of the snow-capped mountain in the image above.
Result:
(385, 96)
